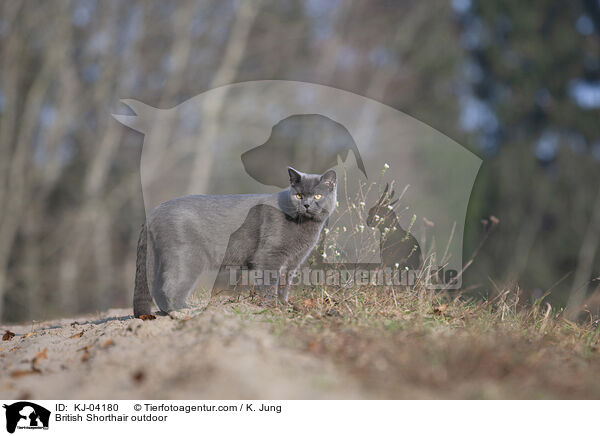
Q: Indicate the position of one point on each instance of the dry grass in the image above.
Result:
(420, 343)
(354, 343)
(424, 344)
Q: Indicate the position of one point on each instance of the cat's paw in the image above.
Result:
(185, 314)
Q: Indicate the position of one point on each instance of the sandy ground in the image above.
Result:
(228, 351)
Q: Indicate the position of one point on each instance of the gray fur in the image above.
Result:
(142, 301)
(188, 240)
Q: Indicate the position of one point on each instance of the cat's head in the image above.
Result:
(313, 196)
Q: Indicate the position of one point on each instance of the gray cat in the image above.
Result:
(191, 241)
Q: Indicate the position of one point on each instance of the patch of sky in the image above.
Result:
(596, 150)
(546, 146)
(91, 72)
(585, 93)
(156, 80)
(82, 13)
(461, 6)
(584, 25)
(198, 25)
(379, 56)
(188, 118)
(47, 115)
(320, 11)
(475, 114)
(128, 32)
(472, 71)
(346, 56)
(474, 35)
(99, 42)
(489, 143)
(66, 150)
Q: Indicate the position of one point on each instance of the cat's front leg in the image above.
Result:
(275, 285)
(265, 280)
(283, 289)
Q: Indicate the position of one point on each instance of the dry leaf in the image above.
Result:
(22, 373)
(8, 335)
(440, 310)
(30, 334)
(308, 303)
(24, 396)
(77, 335)
(41, 354)
(108, 343)
(139, 376)
(38, 356)
(314, 347)
(147, 317)
(86, 353)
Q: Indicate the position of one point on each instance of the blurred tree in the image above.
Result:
(69, 177)
(531, 97)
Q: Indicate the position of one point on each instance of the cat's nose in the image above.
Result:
(307, 206)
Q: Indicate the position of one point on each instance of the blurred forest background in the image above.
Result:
(518, 83)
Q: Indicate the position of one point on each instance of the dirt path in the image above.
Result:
(229, 351)
(358, 344)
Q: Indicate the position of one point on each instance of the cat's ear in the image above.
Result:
(329, 178)
(295, 176)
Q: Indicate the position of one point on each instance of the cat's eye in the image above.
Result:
(318, 196)
(299, 196)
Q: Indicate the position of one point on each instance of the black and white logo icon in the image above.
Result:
(26, 415)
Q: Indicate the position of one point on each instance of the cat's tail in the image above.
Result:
(142, 300)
